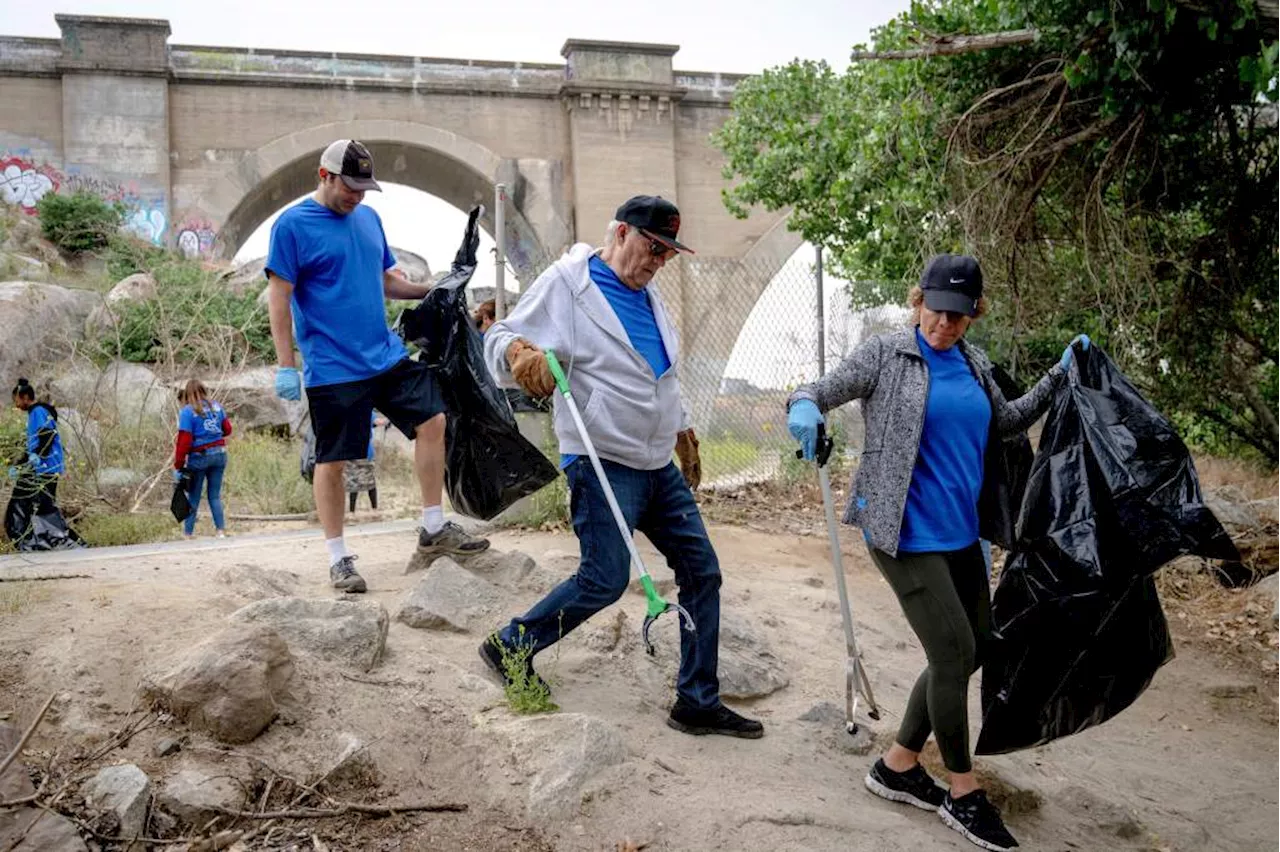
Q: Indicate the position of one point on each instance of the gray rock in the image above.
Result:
(196, 793)
(125, 791)
(858, 743)
(81, 437)
(1267, 592)
(559, 755)
(167, 746)
(124, 392)
(748, 667)
(414, 267)
(40, 831)
(340, 630)
(512, 570)
(26, 268)
(231, 685)
(256, 583)
(354, 767)
(139, 287)
(119, 477)
(1232, 509)
(15, 783)
(250, 398)
(448, 598)
(824, 713)
(39, 322)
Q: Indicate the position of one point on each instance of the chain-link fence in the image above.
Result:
(749, 336)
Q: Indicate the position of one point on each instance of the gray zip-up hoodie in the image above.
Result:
(890, 376)
(631, 415)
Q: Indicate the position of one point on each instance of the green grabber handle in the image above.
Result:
(656, 605)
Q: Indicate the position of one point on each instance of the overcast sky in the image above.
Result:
(713, 35)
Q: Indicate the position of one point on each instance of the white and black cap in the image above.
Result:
(351, 161)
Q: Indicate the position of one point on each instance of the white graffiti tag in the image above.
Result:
(24, 187)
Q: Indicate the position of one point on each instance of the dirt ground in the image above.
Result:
(1192, 765)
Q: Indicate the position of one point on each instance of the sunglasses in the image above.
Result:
(657, 247)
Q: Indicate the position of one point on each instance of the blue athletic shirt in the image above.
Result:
(635, 312)
(942, 502)
(38, 417)
(205, 424)
(336, 264)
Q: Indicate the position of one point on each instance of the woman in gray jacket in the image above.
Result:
(928, 488)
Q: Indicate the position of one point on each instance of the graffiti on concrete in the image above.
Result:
(23, 183)
(196, 237)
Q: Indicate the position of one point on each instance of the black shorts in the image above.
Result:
(406, 395)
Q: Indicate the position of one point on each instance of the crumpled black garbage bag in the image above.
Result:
(32, 521)
(1078, 629)
(488, 464)
(179, 503)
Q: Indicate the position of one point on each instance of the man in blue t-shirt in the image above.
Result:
(329, 269)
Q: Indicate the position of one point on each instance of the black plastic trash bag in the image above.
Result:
(488, 464)
(33, 522)
(1079, 632)
(307, 456)
(179, 503)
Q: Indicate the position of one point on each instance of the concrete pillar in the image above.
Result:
(115, 114)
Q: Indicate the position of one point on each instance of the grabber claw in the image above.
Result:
(658, 606)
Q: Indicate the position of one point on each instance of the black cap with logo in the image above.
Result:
(655, 216)
(952, 282)
(351, 161)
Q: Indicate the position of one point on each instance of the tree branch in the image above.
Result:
(952, 45)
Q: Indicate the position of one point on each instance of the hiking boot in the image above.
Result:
(451, 540)
(343, 575)
(977, 819)
(913, 787)
(491, 651)
(720, 720)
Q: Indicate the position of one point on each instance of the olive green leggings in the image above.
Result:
(947, 600)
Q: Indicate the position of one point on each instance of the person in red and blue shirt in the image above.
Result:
(201, 449)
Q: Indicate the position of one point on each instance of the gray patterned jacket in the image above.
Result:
(891, 378)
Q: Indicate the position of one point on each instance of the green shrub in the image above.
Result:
(13, 437)
(262, 476)
(127, 254)
(80, 221)
(119, 529)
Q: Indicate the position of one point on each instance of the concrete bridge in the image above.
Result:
(202, 144)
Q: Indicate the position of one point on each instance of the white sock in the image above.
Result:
(432, 519)
(337, 549)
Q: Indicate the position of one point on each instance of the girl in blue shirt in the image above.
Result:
(201, 449)
(44, 465)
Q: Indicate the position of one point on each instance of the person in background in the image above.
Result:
(201, 448)
(44, 464)
(359, 475)
(486, 313)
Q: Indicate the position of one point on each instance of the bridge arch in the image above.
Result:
(439, 162)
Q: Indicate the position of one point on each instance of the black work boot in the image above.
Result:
(719, 720)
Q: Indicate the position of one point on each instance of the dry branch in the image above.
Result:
(348, 808)
(952, 45)
(31, 729)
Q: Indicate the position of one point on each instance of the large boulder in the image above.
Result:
(81, 437)
(560, 755)
(124, 392)
(250, 399)
(448, 598)
(125, 792)
(344, 630)
(748, 667)
(136, 288)
(39, 322)
(230, 685)
(245, 278)
(255, 583)
(37, 830)
(414, 267)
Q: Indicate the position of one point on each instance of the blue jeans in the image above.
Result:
(659, 504)
(206, 466)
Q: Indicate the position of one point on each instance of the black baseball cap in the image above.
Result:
(655, 216)
(351, 161)
(952, 282)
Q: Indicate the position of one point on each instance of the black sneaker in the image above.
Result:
(977, 819)
(491, 650)
(721, 720)
(451, 540)
(913, 787)
(343, 575)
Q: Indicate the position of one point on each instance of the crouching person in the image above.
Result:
(610, 331)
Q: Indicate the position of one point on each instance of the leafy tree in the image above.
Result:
(1115, 170)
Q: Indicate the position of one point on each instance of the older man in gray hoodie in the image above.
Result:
(598, 310)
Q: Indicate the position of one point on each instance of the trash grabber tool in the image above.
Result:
(856, 682)
(656, 606)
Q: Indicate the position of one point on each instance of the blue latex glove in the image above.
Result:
(33, 459)
(1083, 340)
(802, 422)
(13, 473)
(177, 476)
(288, 383)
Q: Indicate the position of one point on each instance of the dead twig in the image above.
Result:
(348, 808)
(31, 729)
(952, 45)
(46, 577)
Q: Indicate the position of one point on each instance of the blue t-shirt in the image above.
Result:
(336, 264)
(942, 502)
(635, 312)
(204, 423)
(51, 462)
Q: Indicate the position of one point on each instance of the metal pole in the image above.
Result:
(822, 325)
(500, 238)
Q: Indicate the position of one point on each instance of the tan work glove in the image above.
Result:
(690, 463)
(530, 369)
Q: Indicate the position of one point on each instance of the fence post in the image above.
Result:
(500, 259)
(822, 325)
